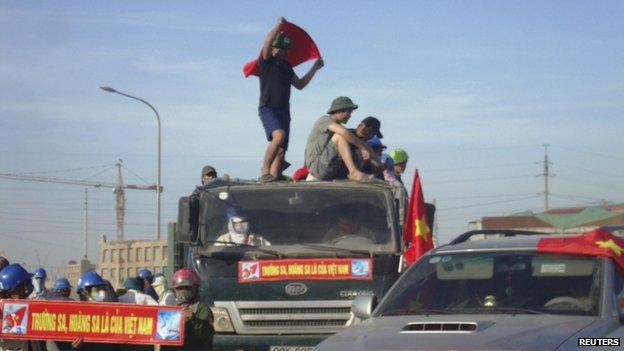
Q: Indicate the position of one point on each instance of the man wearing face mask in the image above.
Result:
(40, 291)
(166, 296)
(15, 283)
(94, 288)
(197, 316)
(239, 231)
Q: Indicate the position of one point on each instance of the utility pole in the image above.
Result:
(546, 174)
(86, 224)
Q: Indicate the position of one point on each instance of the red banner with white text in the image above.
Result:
(94, 322)
(305, 269)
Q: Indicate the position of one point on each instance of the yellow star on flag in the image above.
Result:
(421, 228)
(610, 244)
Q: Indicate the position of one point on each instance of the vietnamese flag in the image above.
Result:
(416, 234)
(303, 49)
(598, 242)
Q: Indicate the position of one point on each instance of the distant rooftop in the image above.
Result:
(560, 218)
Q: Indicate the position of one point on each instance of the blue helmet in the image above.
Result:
(61, 284)
(145, 273)
(12, 276)
(375, 142)
(235, 212)
(40, 273)
(90, 278)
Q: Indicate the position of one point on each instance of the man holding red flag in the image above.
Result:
(276, 76)
(417, 233)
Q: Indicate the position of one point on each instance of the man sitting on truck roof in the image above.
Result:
(239, 231)
(329, 144)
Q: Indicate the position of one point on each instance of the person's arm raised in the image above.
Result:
(268, 41)
(301, 83)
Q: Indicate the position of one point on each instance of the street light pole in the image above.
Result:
(158, 188)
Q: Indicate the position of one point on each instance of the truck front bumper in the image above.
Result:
(231, 342)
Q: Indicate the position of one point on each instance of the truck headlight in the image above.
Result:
(222, 321)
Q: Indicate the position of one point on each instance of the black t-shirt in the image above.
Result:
(275, 77)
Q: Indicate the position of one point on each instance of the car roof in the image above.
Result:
(512, 243)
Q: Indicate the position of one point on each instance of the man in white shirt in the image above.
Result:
(134, 294)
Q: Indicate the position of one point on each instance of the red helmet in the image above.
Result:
(184, 277)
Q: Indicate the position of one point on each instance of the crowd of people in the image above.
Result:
(144, 289)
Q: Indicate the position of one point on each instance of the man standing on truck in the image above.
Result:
(329, 144)
(276, 77)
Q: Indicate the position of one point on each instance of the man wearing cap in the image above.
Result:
(276, 77)
(329, 144)
(364, 131)
(208, 179)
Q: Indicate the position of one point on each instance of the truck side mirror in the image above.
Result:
(363, 306)
(183, 231)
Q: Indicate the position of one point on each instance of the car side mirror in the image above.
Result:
(363, 306)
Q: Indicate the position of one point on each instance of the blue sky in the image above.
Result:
(470, 89)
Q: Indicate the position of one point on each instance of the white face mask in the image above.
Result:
(241, 228)
(98, 295)
(39, 285)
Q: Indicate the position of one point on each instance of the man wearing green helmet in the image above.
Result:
(399, 156)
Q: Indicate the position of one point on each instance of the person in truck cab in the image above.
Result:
(347, 227)
(239, 231)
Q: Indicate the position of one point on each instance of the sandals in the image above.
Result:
(266, 178)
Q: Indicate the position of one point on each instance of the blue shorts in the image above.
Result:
(273, 119)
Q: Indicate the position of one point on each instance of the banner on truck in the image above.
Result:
(94, 322)
(305, 269)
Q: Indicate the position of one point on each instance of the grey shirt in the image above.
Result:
(318, 139)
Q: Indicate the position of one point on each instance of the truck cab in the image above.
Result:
(324, 244)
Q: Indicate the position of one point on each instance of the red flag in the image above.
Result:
(416, 234)
(598, 242)
(303, 49)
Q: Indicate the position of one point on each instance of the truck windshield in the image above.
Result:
(276, 217)
(510, 283)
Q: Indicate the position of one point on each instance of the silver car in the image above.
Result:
(493, 294)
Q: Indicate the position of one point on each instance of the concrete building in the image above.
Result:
(118, 260)
(557, 220)
(75, 270)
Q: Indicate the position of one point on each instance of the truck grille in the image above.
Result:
(288, 317)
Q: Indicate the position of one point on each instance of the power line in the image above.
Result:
(483, 196)
(479, 167)
(487, 203)
(480, 179)
(589, 152)
(64, 170)
(592, 171)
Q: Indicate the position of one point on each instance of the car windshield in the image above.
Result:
(315, 219)
(478, 282)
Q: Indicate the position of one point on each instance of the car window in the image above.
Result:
(497, 282)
